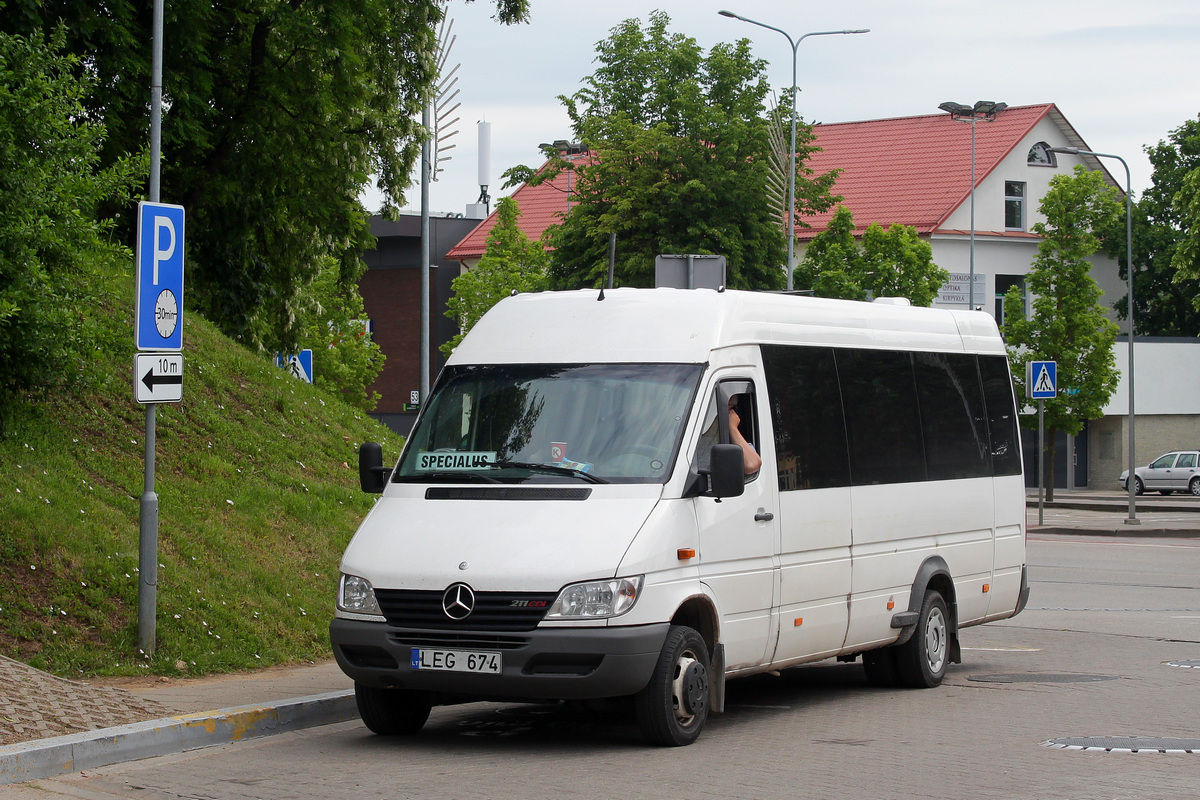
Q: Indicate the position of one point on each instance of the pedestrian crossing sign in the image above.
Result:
(1041, 380)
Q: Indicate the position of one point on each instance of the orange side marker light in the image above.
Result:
(685, 553)
(987, 587)
(796, 623)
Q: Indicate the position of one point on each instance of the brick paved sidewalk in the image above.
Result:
(37, 705)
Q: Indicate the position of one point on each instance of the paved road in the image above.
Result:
(1089, 658)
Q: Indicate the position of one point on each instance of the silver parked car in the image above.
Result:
(1172, 472)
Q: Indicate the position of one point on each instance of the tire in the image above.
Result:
(672, 709)
(880, 666)
(1138, 486)
(921, 661)
(1194, 487)
(391, 712)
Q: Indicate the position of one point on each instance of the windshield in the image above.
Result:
(599, 423)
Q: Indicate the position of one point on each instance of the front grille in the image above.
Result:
(458, 641)
(494, 611)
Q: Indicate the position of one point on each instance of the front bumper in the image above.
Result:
(542, 664)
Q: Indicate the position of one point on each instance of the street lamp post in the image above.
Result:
(791, 201)
(1075, 151)
(985, 111)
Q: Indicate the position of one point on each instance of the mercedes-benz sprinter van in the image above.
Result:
(645, 492)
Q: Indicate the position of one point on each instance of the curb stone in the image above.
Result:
(46, 758)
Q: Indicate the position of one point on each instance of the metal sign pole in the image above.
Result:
(148, 526)
(1041, 456)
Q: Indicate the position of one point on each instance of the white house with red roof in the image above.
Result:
(915, 171)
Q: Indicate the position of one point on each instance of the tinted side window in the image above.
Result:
(806, 411)
(883, 423)
(1002, 415)
(953, 420)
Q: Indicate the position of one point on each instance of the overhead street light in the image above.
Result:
(1075, 151)
(983, 111)
(791, 201)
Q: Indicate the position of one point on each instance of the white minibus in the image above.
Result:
(643, 493)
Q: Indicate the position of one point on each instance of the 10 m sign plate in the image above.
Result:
(158, 377)
(485, 662)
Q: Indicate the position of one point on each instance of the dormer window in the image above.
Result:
(1040, 156)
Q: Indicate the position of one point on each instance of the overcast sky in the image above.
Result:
(1124, 73)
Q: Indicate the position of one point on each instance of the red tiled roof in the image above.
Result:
(541, 206)
(912, 170)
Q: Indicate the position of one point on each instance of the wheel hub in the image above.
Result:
(691, 689)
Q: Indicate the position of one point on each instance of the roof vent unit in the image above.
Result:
(892, 301)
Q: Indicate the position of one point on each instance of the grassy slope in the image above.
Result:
(257, 479)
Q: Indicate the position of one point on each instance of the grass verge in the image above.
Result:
(256, 475)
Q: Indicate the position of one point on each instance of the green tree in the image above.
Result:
(276, 114)
(679, 162)
(56, 257)
(1067, 324)
(1186, 206)
(334, 325)
(510, 262)
(1164, 297)
(891, 262)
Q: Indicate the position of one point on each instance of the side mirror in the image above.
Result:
(727, 471)
(372, 474)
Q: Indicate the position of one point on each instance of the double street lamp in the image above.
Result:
(791, 201)
(983, 111)
(1130, 482)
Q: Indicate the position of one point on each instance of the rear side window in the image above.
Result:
(806, 411)
(1001, 414)
(953, 419)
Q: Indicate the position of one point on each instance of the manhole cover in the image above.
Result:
(1126, 744)
(1041, 677)
(1191, 664)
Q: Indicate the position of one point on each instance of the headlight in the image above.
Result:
(596, 599)
(356, 596)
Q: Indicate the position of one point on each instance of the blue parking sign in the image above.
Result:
(158, 304)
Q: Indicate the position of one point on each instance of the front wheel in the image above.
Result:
(1138, 486)
(391, 712)
(673, 707)
(921, 661)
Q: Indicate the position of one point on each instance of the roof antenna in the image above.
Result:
(612, 262)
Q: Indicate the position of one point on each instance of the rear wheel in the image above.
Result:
(1194, 487)
(391, 712)
(673, 707)
(921, 661)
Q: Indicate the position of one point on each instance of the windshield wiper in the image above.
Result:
(446, 477)
(551, 468)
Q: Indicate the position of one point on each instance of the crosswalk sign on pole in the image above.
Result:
(1041, 380)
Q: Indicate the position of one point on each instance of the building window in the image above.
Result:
(1040, 156)
(1003, 284)
(1014, 206)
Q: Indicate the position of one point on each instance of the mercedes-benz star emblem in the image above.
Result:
(459, 601)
